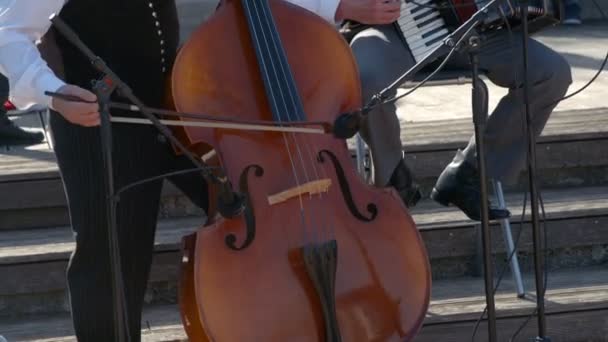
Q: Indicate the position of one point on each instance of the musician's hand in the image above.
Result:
(370, 12)
(79, 113)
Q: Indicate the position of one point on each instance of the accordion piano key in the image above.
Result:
(424, 24)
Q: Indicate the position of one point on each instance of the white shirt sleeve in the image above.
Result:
(22, 24)
(323, 8)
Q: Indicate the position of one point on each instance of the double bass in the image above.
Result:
(317, 254)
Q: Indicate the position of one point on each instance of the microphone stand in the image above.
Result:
(536, 235)
(347, 125)
(479, 95)
(104, 90)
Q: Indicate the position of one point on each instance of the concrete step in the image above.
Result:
(36, 261)
(569, 154)
(576, 226)
(160, 324)
(576, 303)
(576, 308)
(590, 11)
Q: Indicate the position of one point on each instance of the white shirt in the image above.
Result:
(24, 22)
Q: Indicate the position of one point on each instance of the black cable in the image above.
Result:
(543, 224)
(444, 62)
(423, 82)
(542, 206)
(368, 107)
(516, 245)
(517, 240)
(599, 9)
(161, 176)
(601, 69)
(522, 326)
(505, 266)
(545, 280)
(597, 74)
(447, 4)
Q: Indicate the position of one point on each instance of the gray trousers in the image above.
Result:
(382, 58)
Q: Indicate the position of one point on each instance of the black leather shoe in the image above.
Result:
(458, 185)
(403, 182)
(10, 134)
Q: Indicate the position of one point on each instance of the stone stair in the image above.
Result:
(36, 259)
(575, 312)
(35, 240)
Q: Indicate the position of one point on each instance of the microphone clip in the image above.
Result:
(347, 124)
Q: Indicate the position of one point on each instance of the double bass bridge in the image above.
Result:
(321, 262)
(311, 188)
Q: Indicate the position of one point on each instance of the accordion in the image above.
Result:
(425, 23)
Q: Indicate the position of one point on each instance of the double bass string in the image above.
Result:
(297, 109)
(286, 291)
(283, 111)
(272, 97)
(294, 103)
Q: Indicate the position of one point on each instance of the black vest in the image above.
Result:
(137, 39)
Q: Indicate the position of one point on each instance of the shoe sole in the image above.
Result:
(437, 197)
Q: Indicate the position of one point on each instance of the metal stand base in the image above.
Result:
(508, 236)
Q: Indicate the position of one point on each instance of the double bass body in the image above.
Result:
(318, 255)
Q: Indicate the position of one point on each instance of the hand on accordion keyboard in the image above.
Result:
(370, 12)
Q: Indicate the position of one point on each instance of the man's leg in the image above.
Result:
(137, 155)
(11, 134)
(382, 58)
(505, 137)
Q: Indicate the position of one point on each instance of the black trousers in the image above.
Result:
(4, 93)
(138, 154)
(4, 89)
